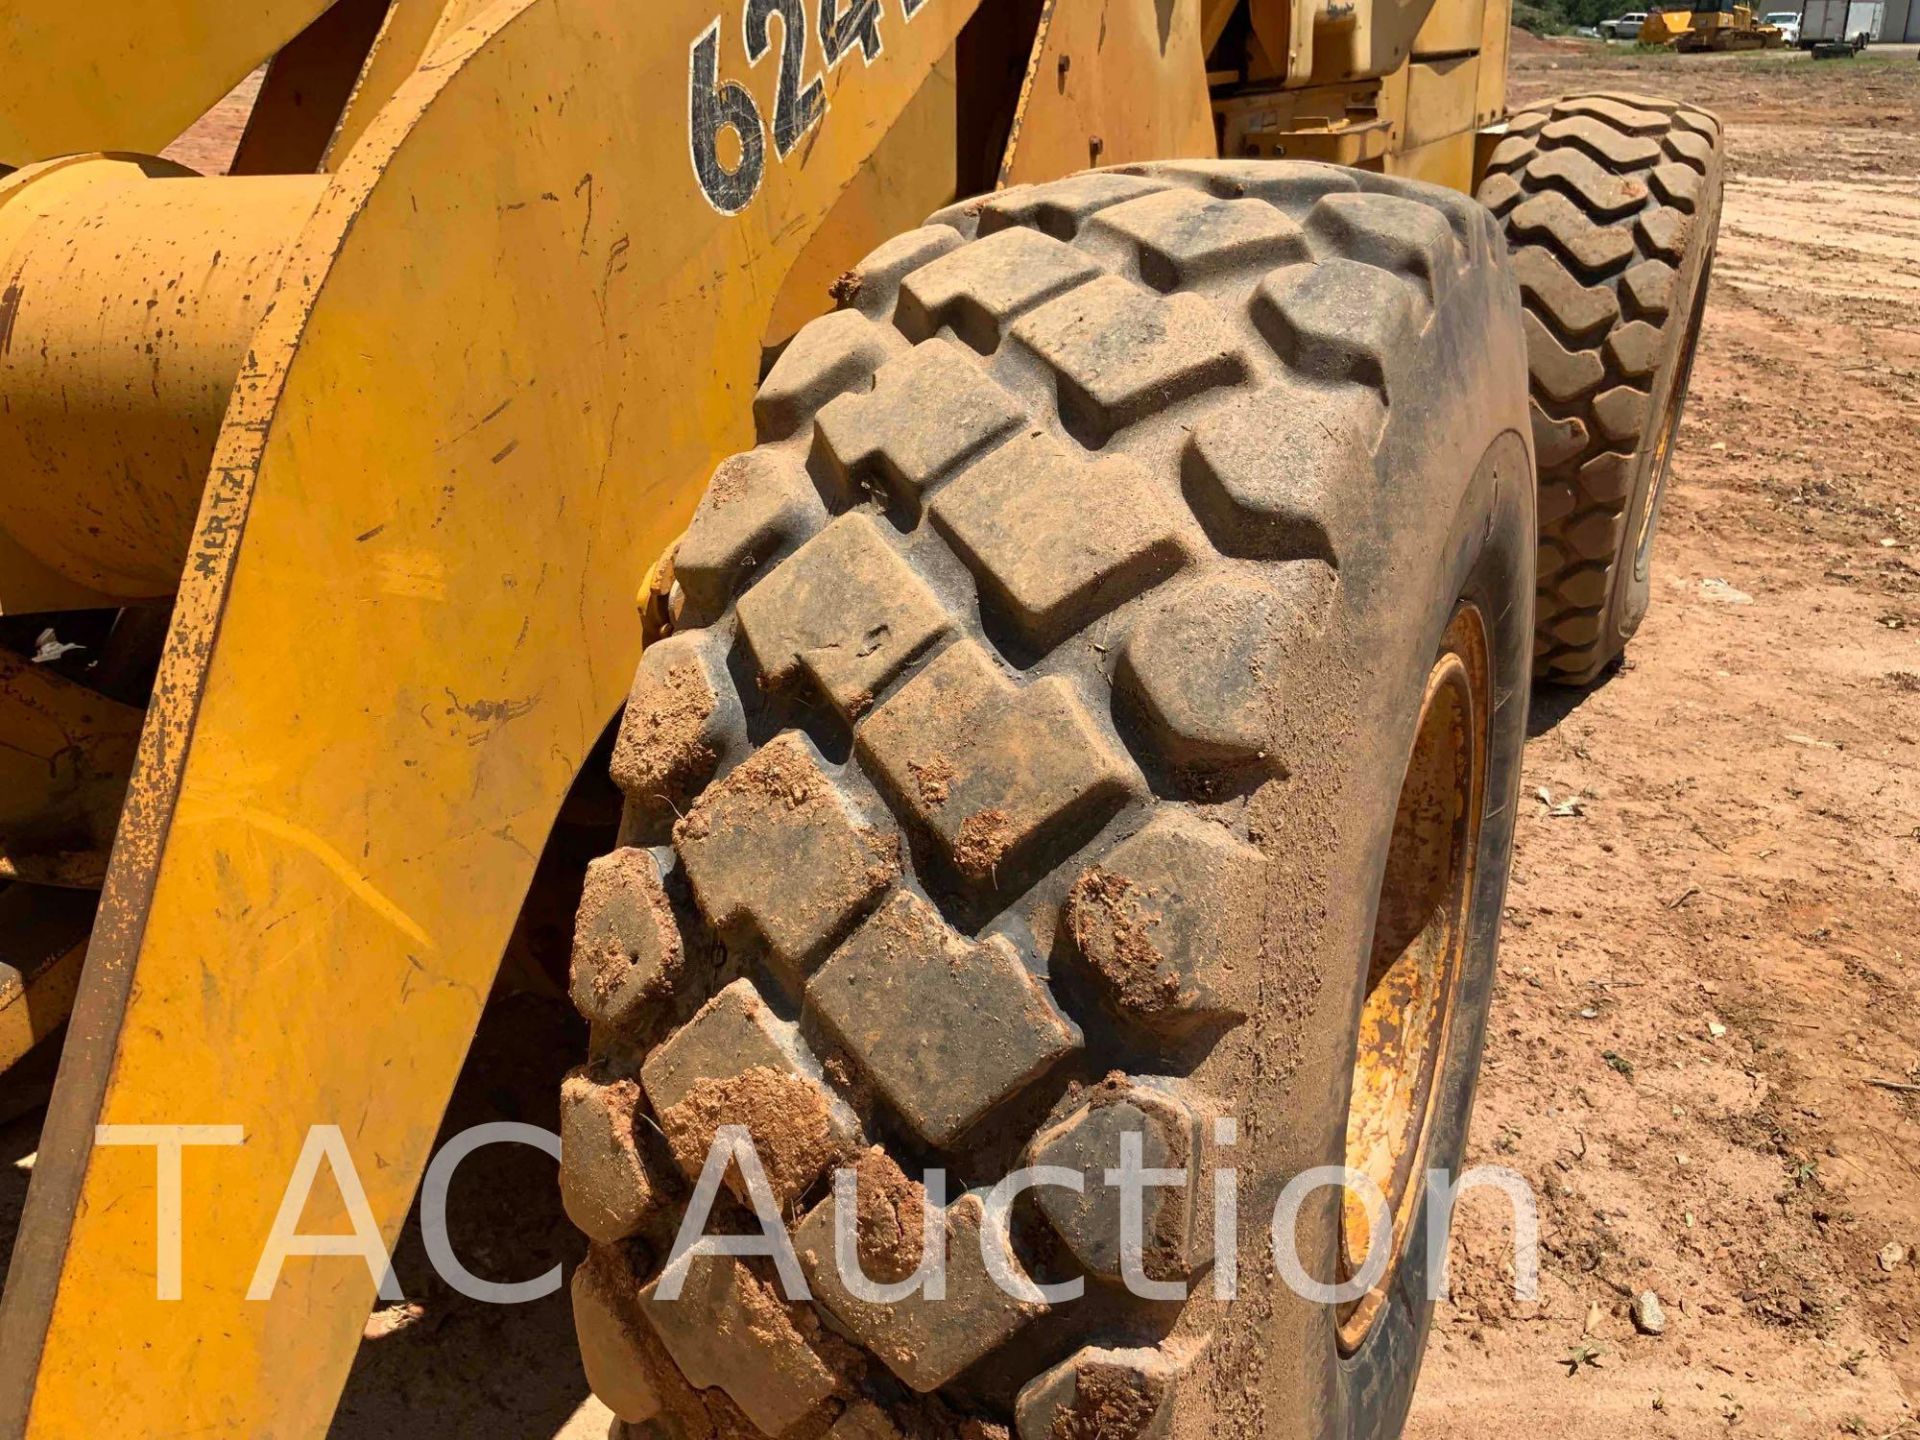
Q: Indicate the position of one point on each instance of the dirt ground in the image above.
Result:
(1709, 960)
(209, 144)
(1710, 954)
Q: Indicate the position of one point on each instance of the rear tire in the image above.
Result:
(1027, 766)
(1612, 205)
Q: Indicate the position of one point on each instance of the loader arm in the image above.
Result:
(502, 356)
(127, 74)
(372, 700)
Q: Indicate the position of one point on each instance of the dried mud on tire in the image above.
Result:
(1038, 694)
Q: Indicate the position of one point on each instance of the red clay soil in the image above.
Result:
(1714, 955)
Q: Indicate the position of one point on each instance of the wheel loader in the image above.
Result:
(1048, 511)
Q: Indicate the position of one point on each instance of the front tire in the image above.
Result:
(1109, 668)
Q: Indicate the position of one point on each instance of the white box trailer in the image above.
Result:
(1833, 25)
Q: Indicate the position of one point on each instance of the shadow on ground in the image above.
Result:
(445, 1365)
(1551, 704)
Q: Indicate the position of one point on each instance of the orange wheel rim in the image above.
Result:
(1415, 961)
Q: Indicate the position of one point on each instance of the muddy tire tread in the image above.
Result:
(1226, 281)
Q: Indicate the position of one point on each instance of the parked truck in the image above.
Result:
(1831, 28)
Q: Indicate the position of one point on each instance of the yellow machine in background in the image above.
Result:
(1715, 25)
(334, 495)
(1664, 27)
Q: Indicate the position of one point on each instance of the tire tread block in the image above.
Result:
(1112, 1394)
(757, 505)
(1019, 519)
(1404, 237)
(674, 730)
(1282, 473)
(627, 951)
(1649, 285)
(843, 349)
(613, 1352)
(1634, 349)
(929, 412)
(1183, 237)
(1087, 1134)
(1623, 413)
(1599, 191)
(1158, 917)
(1577, 309)
(605, 1185)
(1605, 142)
(873, 286)
(1201, 667)
(846, 610)
(1121, 353)
(1556, 441)
(1629, 114)
(1339, 320)
(1549, 217)
(774, 848)
(1559, 373)
(737, 1063)
(927, 1343)
(1059, 207)
(1005, 777)
(945, 1027)
(982, 288)
(730, 1330)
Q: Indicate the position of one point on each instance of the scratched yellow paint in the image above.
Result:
(511, 342)
(132, 292)
(1113, 82)
(126, 74)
